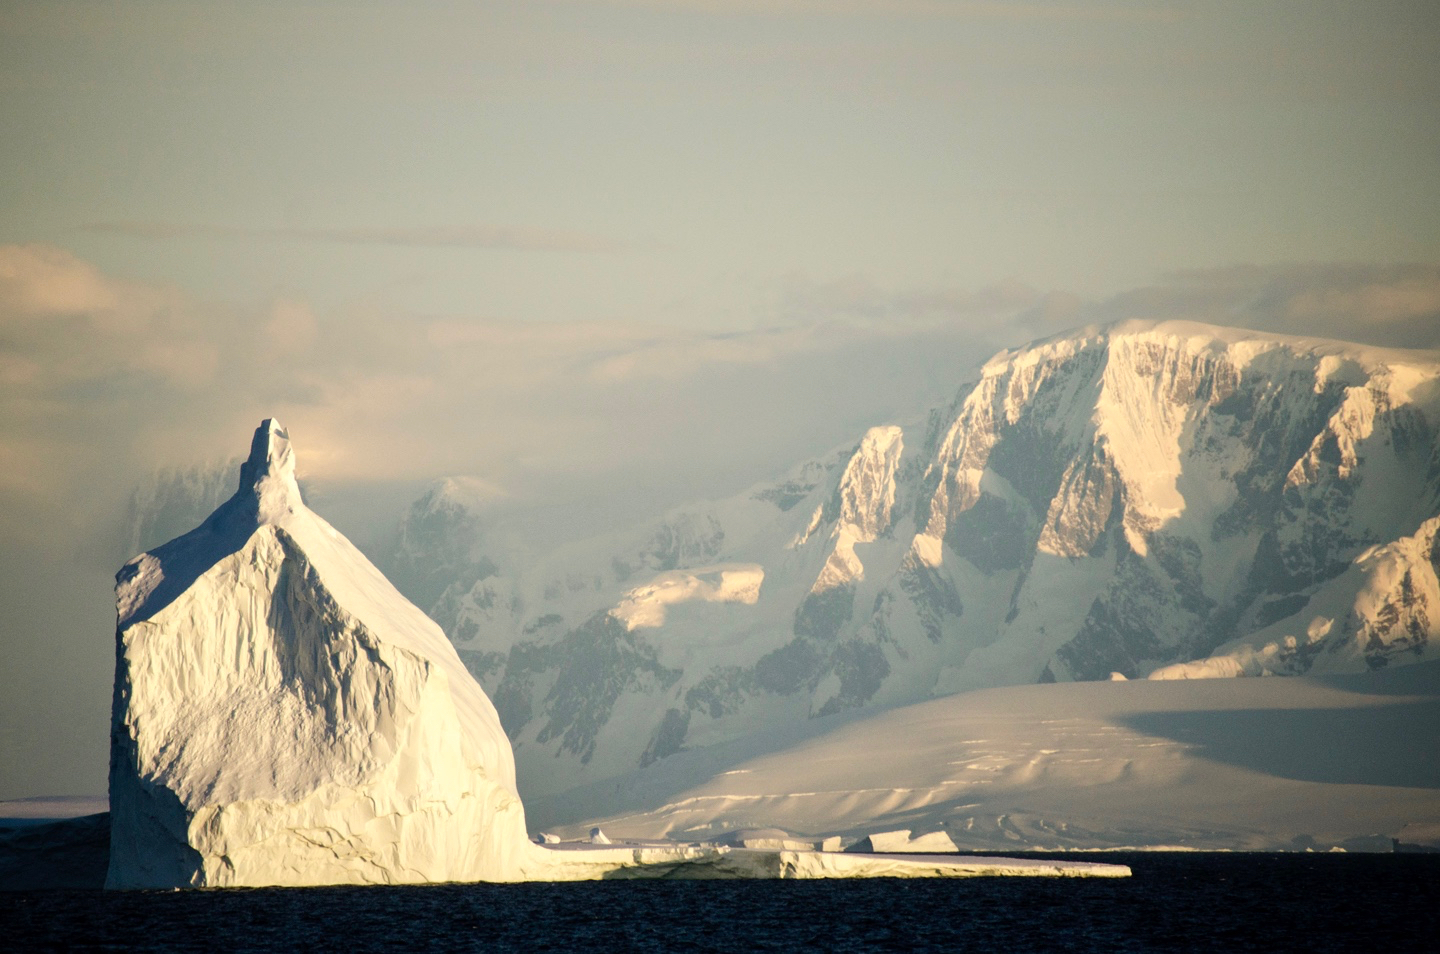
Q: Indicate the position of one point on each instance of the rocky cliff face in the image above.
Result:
(1144, 500)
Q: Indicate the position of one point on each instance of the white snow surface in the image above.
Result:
(902, 841)
(1219, 764)
(283, 716)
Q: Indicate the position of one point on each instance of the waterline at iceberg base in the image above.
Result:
(283, 716)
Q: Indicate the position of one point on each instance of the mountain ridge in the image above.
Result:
(1117, 499)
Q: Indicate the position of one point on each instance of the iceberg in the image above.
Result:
(771, 839)
(283, 716)
(902, 842)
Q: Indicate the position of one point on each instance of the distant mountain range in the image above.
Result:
(1142, 500)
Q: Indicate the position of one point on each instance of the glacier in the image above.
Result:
(283, 716)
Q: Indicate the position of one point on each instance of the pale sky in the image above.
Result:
(671, 161)
(659, 247)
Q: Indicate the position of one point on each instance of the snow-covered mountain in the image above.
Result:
(1163, 500)
(436, 557)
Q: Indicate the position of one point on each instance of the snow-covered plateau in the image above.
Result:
(1162, 500)
(1308, 762)
(283, 716)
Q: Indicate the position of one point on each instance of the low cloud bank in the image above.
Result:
(103, 380)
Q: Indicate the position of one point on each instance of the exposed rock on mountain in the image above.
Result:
(435, 556)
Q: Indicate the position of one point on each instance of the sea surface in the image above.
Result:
(1175, 902)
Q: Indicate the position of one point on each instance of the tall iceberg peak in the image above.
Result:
(269, 473)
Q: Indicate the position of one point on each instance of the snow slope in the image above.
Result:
(1252, 764)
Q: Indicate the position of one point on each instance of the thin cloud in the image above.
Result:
(120, 374)
(45, 280)
(519, 238)
(856, 297)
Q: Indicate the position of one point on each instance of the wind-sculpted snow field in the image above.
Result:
(1258, 764)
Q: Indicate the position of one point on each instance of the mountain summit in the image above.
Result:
(268, 475)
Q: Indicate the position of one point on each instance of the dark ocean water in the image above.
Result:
(1174, 902)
